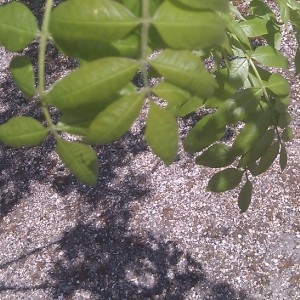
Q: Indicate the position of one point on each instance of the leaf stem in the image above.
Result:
(144, 44)
(266, 95)
(259, 78)
(41, 64)
(263, 87)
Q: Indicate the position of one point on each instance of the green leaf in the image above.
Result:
(208, 130)
(111, 123)
(239, 67)
(162, 133)
(175, 95)
(297, 61)
(274, 37)
(258, 149)
(239, 107)
(282, 103)
(254, 27)
(287, 134)
(245, 196)
(264, 75)
(187, 24)
(236, 31)
(225, 180)
(267, 159)
(127, 47)
(18, 26)
(284, 120)
(293, 4)
(77, 120)
(180, 102)
(229, 81)
(278, 85)
(88, 85)
(216, 156)
(251, 133)
(80, 159)
(91, 21)
(259, 8)
(136, 6)
(284, 11)
(283, 158)
(270, 57)
(185, 70)
(219, 5)
(22, 132)
(188, 107)
(22, 72)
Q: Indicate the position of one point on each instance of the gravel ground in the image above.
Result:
(145, 231)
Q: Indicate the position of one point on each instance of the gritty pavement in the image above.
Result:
(145, 231)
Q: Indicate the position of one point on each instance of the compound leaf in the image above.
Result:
(22, 132)
(80, 159)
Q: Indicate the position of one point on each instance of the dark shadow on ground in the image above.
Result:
(109, 259)
(104, 256)
(113, 264)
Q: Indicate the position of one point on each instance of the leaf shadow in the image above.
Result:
(108, 259)
(114, 265)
